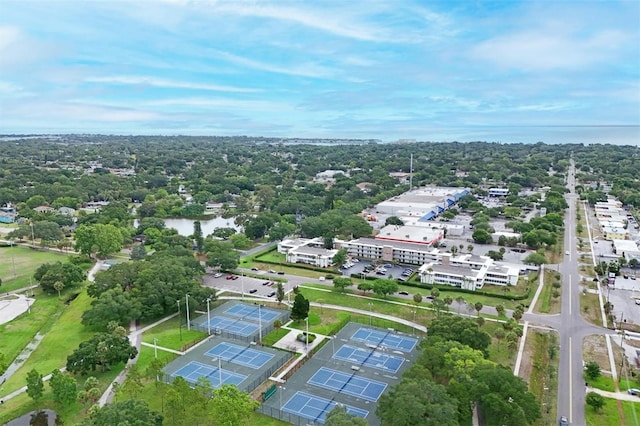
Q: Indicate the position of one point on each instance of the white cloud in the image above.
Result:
(330, 21)
(159, 82)
(230, 104)
(303, 70)
(548, 49)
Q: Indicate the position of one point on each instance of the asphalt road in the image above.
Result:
(572, 328)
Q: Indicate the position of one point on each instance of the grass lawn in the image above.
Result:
(610, 416)
(26, 261)
(547, 303)
(169, 335)
(603, 382)
(63, 338)
(274, 336)
(498, 351)
(590, 308)
(15, 335)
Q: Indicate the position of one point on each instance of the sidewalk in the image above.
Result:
(622, 396)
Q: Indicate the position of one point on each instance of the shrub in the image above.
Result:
(302, 337)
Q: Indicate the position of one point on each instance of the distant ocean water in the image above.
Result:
(615, 135)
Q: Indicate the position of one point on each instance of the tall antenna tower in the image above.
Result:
(411, 173)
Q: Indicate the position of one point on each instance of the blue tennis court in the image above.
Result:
(240, 355)
(369, 357)
(315, 408)
(194, 370)
(233, 326)
(252, 312)
(385, 338)
(348, 384)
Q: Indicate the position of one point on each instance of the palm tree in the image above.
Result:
(478, 307)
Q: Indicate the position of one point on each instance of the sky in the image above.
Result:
(467, 70)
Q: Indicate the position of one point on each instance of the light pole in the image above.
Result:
(33, 238)
(208, 317)
(155, 347)
(370, 311)
(242, 283)
(333, 345)
(28, 305)
(188, 319)
(282, 388)
(306, 344)
(219, 374)
(413, 325)
(260, 323)
(180, 317)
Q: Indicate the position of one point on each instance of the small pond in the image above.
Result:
(35, 418)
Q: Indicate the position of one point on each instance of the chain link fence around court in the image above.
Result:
(254, 379)
(202, 324)
(276, 413)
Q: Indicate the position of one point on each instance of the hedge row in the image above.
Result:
(449, 288)
(299, 266)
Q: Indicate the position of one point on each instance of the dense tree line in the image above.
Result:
(451, 376)
(146, 289)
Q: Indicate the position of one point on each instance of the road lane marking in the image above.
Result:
(569, 295)
(570, 384)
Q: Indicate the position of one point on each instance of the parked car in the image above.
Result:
(271, 271)
(235, 277)
(404, 293)
(253, 290)
(271, 294)
(230, 277)
(633, 391)
(255, 269)
(217, 275)
(281, 273)
(266, 283)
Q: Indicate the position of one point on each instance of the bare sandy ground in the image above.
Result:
(13, 305)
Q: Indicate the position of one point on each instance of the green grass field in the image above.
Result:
(60, 341)
(610, 415)
(26, 261)
(169, 335)
(15, 335)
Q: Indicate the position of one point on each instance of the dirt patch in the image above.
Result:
(594, 348)
(526, 365)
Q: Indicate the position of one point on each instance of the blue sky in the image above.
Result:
(508, 71)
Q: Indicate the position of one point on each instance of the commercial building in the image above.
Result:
(411, 234)
(426, 203)
(627, 249)
(498, 192)
(468, 272)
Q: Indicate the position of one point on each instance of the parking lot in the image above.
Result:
(263, 287)
(380, 270)
(623, 296)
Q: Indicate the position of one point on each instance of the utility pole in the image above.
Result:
(180, 317)
(188, 319)
(208, 316)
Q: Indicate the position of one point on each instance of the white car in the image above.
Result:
(567, 253)
(217, 275)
